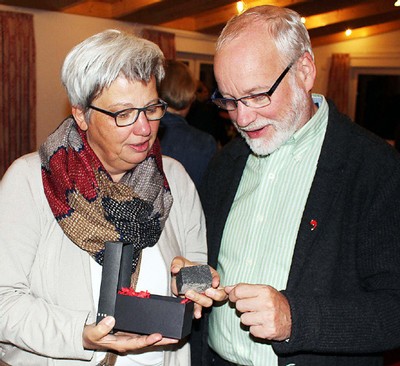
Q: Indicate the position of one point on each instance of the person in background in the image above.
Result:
(190, 146)
(206, 116)
(302, 212)
(99, 177)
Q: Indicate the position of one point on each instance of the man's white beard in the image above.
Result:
(284, 129)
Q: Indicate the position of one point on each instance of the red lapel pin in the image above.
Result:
(313, 224)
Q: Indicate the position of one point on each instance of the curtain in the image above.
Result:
(338, 81)
(165, 40)
(17, 87)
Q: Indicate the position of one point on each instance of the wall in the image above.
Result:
(57, 33)
(375, 54)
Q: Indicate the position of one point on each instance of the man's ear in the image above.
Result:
(307, 70)
(79, 116)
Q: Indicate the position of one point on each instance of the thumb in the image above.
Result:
(177, 264)
(105, 326)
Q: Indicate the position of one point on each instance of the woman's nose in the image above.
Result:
(142, 125)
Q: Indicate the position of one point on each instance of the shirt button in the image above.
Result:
(271, 176)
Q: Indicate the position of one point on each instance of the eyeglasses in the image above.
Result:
(127, 117)
(258, 100)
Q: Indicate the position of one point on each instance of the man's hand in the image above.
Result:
(97, 337)
(200, 300)
(264, 310)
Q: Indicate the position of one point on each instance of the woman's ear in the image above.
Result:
(79, 116)
(307, 70)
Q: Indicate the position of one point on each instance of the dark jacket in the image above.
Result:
(191, 147)
(344, 282)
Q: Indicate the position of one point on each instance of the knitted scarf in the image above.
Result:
(92, 209)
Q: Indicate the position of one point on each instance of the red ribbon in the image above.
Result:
(129, 291)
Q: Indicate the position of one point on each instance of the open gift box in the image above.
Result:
(167, 315)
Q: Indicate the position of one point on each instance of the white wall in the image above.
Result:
(376, 54)
(57, 33)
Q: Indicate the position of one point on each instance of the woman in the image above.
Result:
(99, 177)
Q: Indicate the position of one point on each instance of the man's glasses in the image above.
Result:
(258, 100)
(127, 117)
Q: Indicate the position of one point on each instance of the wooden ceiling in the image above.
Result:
(326, 20)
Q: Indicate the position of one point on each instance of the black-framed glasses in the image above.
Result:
(258, 100)
(127, 117)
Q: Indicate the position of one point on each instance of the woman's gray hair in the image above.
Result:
(96, 62)
(284, 25)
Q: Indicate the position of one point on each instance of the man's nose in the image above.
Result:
(244, 115)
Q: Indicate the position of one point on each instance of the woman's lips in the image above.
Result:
(140, 147)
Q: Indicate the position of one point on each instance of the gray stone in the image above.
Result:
(197, 278)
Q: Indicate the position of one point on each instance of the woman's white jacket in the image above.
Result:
(45, 279)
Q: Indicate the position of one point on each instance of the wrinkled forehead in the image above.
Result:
(247, 61)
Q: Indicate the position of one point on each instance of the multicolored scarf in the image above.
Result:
(91, 208)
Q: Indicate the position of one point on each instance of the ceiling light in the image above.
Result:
(397, 3)
(348, 32)
(240, 6)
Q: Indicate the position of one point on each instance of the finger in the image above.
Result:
(153, 339)
(215, 277)
(106, 324)
(177, 263)
(92, 334)
(126, 342)
(198, 298)
(197, 311)
(216, 294)
(246, 291)
(166, 342)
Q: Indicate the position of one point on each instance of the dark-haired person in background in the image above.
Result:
(187, 144)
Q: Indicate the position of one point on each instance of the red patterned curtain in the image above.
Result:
(17, 87)
(165, 40)
(338, 82)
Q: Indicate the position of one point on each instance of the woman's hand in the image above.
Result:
(205, 299)
(97, 337)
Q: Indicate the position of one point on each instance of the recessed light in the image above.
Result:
(239, 6)
(348, 32)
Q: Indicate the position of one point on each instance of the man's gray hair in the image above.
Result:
(96, 62)
(284, 25)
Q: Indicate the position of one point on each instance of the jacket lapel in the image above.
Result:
(327, 183)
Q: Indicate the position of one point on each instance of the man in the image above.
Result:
(187, 144)
(303, 212)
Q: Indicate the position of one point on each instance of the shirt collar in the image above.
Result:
(302, 139)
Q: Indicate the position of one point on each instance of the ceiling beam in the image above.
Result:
(51, 5)
(355, 23)
(318, 7)
(109, 10)
(348, 14)
(90, 8)
(219, 16)
(168, 10)
(357, 33)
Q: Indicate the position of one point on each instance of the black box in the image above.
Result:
(158, 314)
